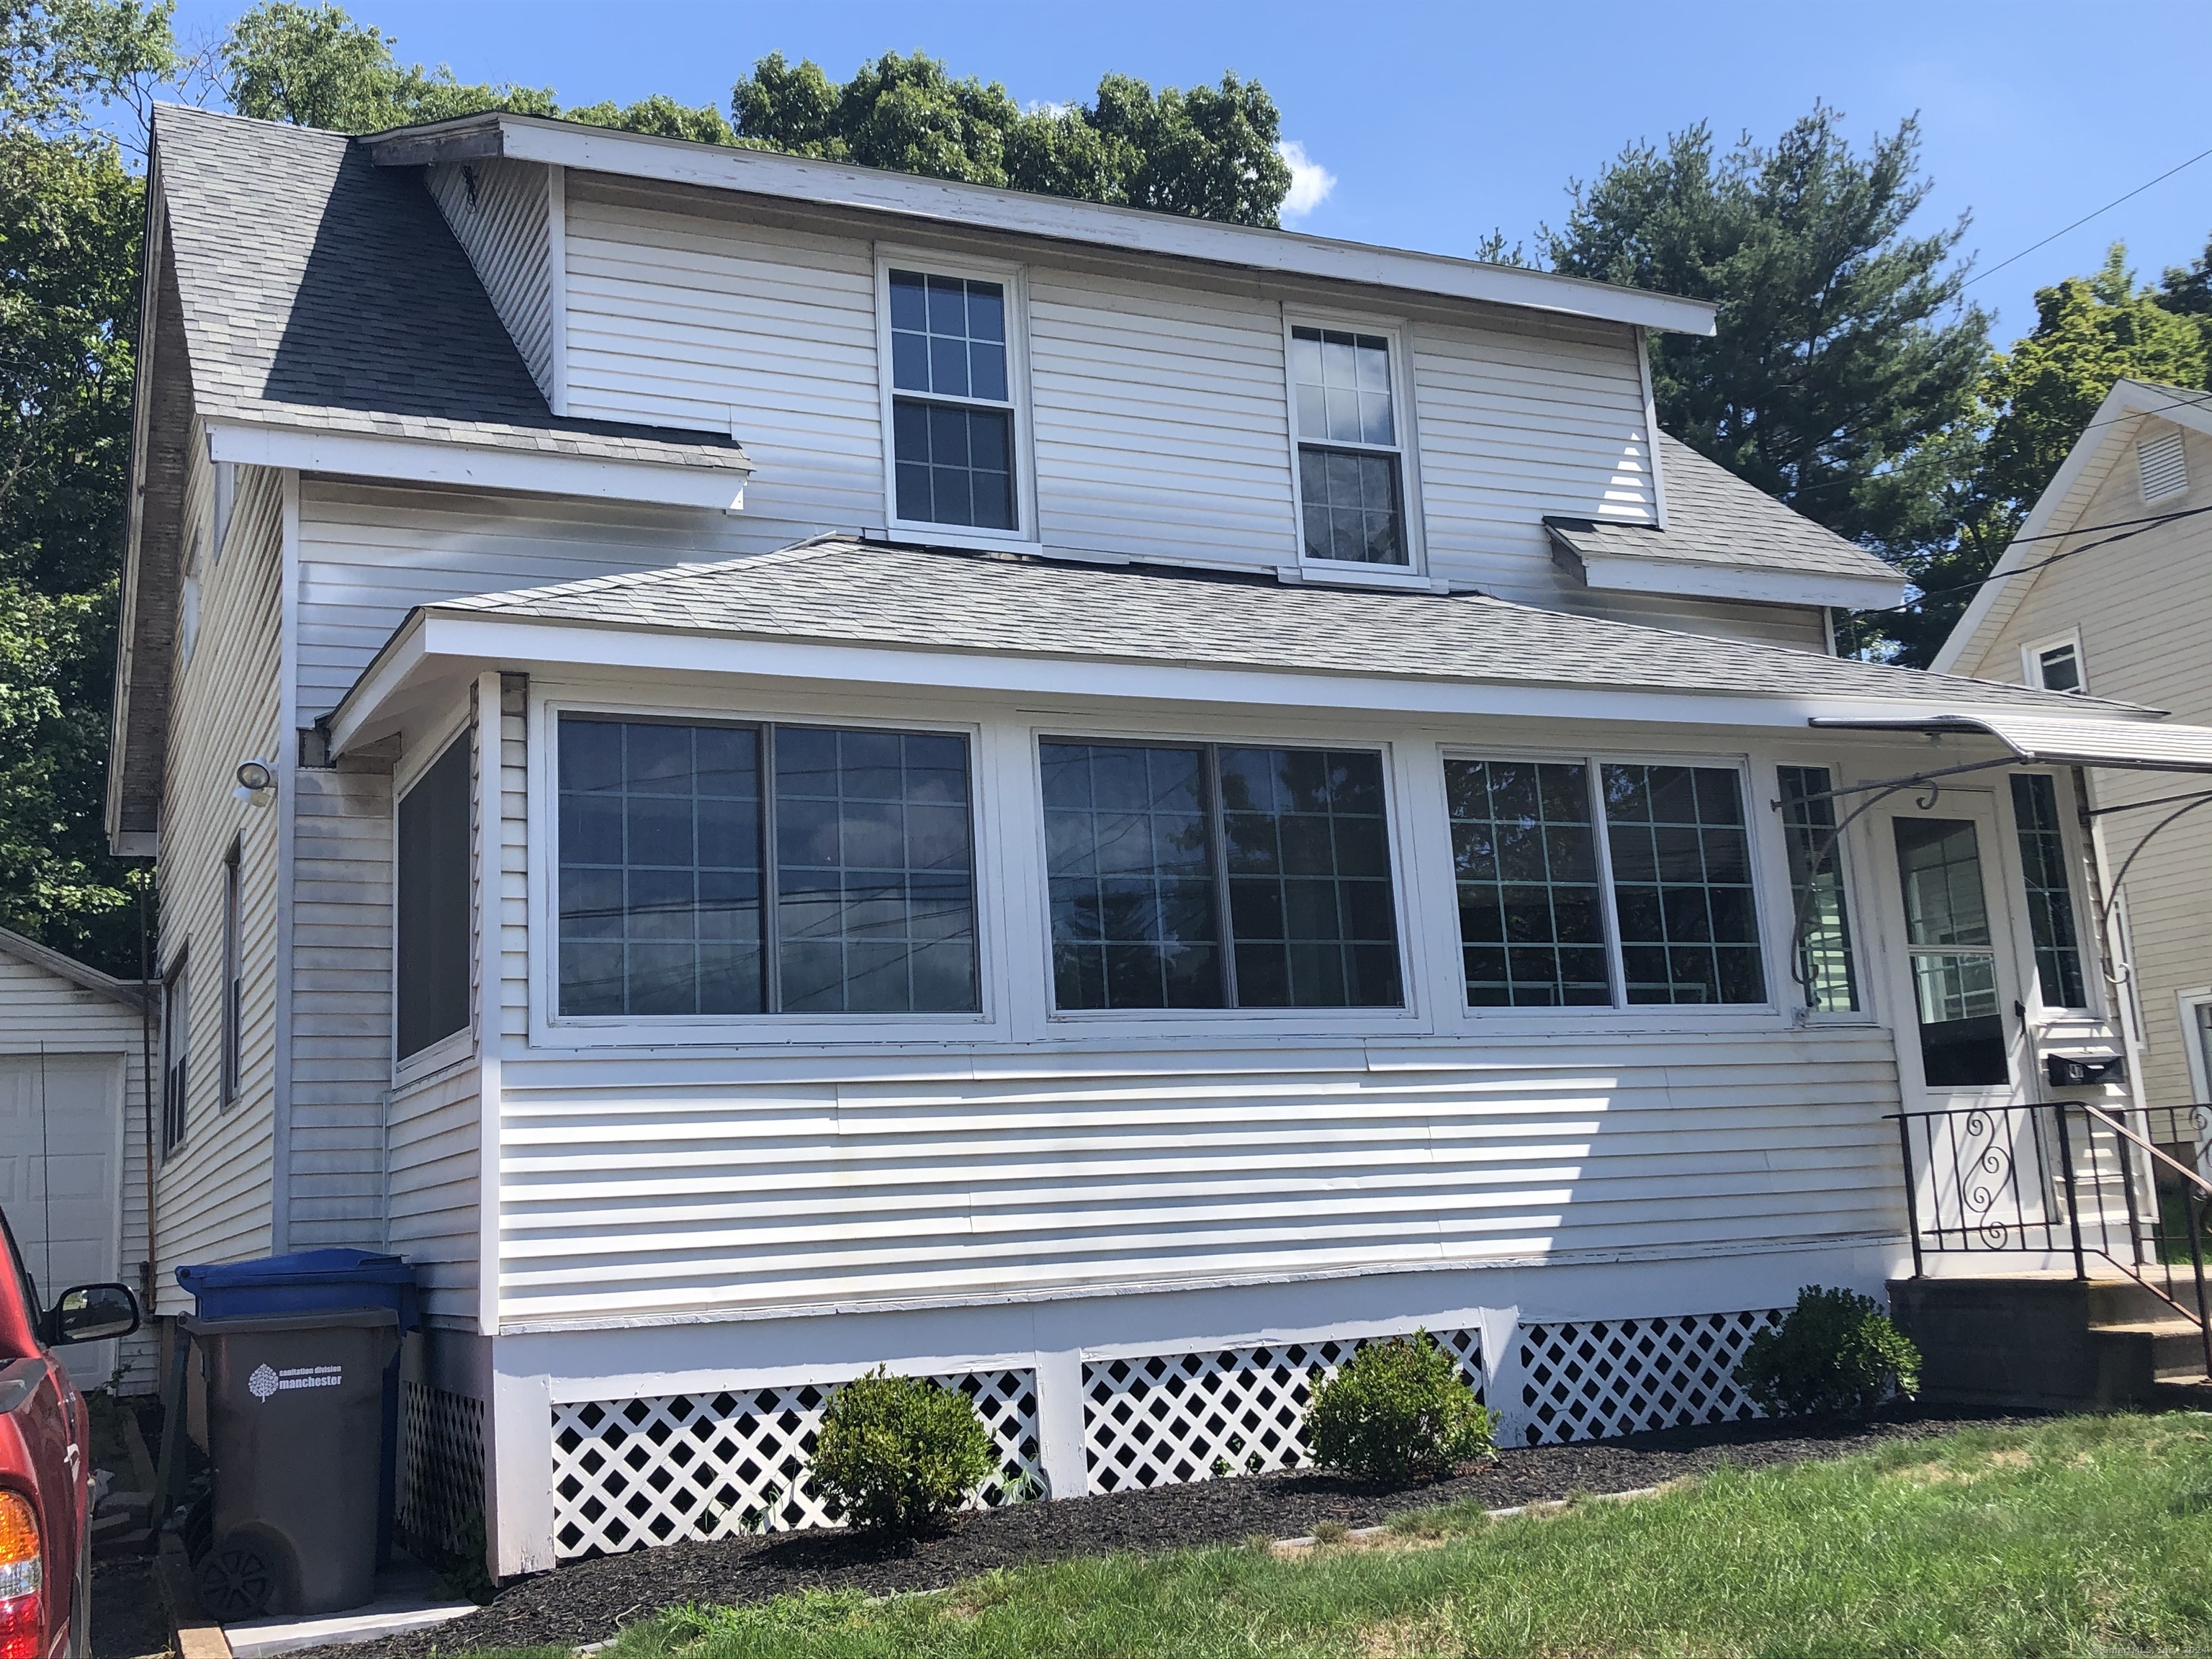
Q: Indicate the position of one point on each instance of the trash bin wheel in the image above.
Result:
(237, 1579)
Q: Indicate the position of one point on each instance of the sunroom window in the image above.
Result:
(2050, 894)
(843, 884)
(952, 408)
(1350, 450)
(1820, 915)
(1535, 910)
(1157, 853)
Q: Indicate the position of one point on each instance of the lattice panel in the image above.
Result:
(1615, 1377)
(442, 1453)
(628, 1473)
(1163, 1420)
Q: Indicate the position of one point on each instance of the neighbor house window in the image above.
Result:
(724, 869)
(1204, 875)
(234, 972)
(1536, 902)
(2056, 667)
(2050, 894)
(1350, 447)
(953, 402)
(431, 953)
(1821, 918)
(176, 1054)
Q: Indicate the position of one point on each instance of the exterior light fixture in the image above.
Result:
(257, 782)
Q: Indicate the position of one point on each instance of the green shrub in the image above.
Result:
(1836, 1354)
(1399, 1410)
(899, 1453)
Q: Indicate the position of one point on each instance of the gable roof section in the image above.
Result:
(2057, 512)
(324, 294)
(838, 592)
(49, 960)
(1726, 539)
(913, 198)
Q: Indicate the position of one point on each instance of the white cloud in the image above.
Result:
(1310, 182)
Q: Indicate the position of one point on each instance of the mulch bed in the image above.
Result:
(588, 1602)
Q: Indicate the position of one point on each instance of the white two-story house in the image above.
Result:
(851, 769)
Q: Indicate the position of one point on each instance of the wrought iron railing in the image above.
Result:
(2069, 1180)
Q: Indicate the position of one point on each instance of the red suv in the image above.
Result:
(46, 1464)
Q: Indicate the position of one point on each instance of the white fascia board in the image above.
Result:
(437, 461)
(444, 643)
(2127, 398)
(834, 184)
(1630, 574)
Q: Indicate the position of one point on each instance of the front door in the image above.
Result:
(1962, 1051)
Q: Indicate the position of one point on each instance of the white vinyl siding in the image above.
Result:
(42, 1013)
(629, 1191)
(500, 213)
(214, 1191)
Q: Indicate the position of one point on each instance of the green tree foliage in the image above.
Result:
(313, 66)
(1843, 360)
(69, 217)
(1209, 152)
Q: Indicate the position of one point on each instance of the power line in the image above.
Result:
(2085, 219)
(2142, 528)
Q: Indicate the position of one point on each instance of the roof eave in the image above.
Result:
(1631, 573)
(836, 184)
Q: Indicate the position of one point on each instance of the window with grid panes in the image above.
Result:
(952, 408)
(1822, 918)
(2050, 893)
(1531, 913)
(1156, 853)
(845, 885)
(1681, 884)
(1350, 453)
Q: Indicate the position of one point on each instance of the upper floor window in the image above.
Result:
(711, 869)
(1198, 876)
(1546, 866)
(2056, 666)
(952, 409)
(1350, 447)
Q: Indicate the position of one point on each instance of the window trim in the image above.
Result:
(233, 920)
(1395, 331)
(689, 1033)
(2077, 854)
(1665, 1015)
(2031, 661)
(1026, 536)
(1210, 1020)
(2187, 1002)
(406, 774)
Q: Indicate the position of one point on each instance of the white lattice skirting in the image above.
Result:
(1586, 1382)
(442, 1460)
(1162, 1419)
(681, 1467)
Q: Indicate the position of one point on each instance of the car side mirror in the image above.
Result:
(92, 1312)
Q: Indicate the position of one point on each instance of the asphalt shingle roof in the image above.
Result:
(835, 590)
(1715, 518)
(320, 290)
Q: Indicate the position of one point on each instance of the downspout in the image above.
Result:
(146, 1090)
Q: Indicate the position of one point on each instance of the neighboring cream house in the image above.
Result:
(768, 768)
(2107, 591)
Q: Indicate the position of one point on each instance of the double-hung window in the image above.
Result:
(1205, 876)
(713, 869)
(954, 425)
(1582, 883)
(1349, 433)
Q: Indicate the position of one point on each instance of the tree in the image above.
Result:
(1209, 152)
(313, 66)
(1843, 360)
(69, 217)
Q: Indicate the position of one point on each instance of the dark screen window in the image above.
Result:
(1682, 883)
(432, 958)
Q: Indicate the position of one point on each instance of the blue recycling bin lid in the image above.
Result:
(306, 1281)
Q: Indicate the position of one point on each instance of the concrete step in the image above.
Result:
(2046, 1341)
(2184, 1394)
(2176, 1346)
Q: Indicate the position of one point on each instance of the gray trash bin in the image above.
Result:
(295, 1436)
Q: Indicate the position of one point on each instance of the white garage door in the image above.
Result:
(61, 1141)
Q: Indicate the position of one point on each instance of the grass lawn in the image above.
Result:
(2081, 1536)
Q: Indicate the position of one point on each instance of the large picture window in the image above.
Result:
(1156, 855)
(953, 402)
(431, 962)
(1351, 451)
(1535, 908)
(723, 869)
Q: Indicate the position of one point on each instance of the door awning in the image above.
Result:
(2053, 740)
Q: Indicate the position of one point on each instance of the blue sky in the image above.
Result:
(1440, 122)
